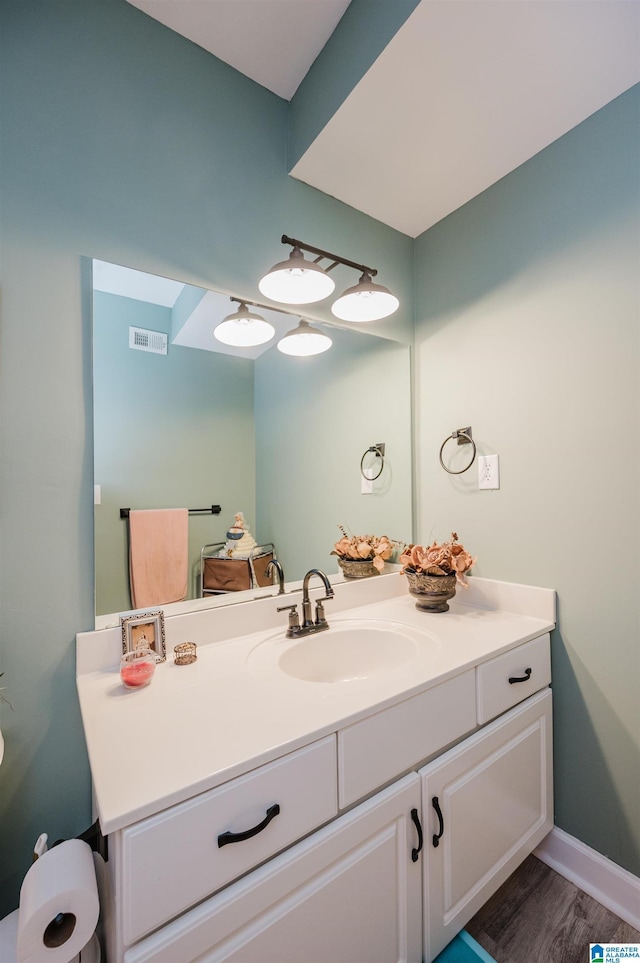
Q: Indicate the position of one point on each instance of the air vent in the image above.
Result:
(142, 340)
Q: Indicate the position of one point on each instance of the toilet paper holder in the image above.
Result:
(94, 838)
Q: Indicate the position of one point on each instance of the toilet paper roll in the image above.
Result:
(59, 905)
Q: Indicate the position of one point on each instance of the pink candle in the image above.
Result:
(137, 672)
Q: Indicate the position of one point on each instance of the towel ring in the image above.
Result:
(378, 451)
(464, 438)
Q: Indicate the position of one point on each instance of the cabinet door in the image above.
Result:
(487, 804)
(350, 892)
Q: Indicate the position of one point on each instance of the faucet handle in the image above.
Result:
(320, 616)
(294, 620)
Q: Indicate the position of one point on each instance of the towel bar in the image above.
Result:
(213, 510)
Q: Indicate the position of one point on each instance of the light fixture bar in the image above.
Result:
(325, 322)
(267, 307)
(299, 280)
(330, 257)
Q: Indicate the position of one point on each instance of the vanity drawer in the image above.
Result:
(528, 667)
(172, 860)
(374, 751)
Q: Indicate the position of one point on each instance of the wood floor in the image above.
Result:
(538, 916)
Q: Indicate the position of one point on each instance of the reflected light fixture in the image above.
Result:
(296, 280)
(365, 301)
(304, 341)
(300, 281)
(244, 328)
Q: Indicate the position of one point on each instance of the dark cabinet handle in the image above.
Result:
(226, 838)
(416, 820)
(437, 837)
(520, 678)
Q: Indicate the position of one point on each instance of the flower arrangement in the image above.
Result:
(363, 548)
(448, 558)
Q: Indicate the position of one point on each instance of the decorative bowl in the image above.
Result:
(357, 568)
(431, 592)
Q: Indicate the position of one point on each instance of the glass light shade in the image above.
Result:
(365, 301)
(304, 341)
(296, 281)
(244, 329)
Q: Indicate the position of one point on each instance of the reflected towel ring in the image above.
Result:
(464, 438)
(378, 451)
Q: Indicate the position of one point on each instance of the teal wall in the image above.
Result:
(125, 142)
(528, 323)
(170, 431)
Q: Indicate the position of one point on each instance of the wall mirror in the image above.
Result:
(278, 438)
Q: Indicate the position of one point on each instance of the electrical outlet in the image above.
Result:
(488, 471)
(366, 484)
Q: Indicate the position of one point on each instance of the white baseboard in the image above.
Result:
(596, 875)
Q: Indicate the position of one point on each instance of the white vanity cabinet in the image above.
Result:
(389, 834)
(350, 892)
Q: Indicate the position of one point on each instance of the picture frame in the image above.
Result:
(146, 628)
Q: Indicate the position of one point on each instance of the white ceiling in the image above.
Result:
(129, 283)
(464, 93)
(274, 42)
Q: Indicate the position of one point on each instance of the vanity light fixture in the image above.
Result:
(304, 341)
(296, 280)
(300, 281)
(244, 328)
(365, 301)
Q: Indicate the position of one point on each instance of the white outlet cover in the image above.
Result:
(366, 483)
(488, 472)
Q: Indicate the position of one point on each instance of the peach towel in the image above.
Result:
(158, 556)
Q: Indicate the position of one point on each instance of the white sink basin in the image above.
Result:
(356, 650)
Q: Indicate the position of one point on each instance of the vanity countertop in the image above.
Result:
(195, 727)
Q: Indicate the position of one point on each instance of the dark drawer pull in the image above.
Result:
(226, 838)
(520, 678)
(438, 836)
(416, 822)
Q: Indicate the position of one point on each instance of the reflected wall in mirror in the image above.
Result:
(278, 438)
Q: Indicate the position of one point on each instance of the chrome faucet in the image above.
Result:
(295, 630)
(274, 565)
(320, 622)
